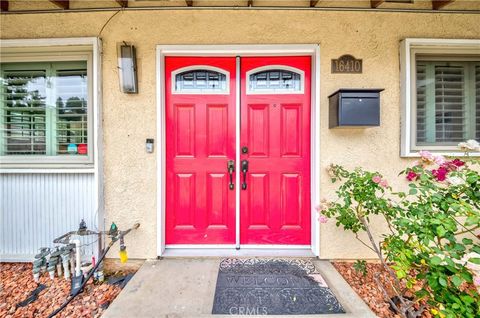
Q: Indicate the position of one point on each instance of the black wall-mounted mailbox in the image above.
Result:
(355, 108)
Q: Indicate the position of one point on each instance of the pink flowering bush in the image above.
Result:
(432, 248)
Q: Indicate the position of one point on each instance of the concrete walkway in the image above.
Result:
(185, 287)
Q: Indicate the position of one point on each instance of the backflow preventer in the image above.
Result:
(65, 258)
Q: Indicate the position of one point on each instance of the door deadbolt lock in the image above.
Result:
(244, 149)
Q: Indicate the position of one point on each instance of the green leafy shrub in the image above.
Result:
(432, 248)
(360, 266)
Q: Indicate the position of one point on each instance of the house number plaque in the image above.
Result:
(347, 64)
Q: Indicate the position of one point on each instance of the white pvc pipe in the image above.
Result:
(66, 269)
(78, 270)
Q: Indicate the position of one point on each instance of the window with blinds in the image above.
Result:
(23, 112)
(447, 102)
(44, 109)
(71, 111)
(477, 102)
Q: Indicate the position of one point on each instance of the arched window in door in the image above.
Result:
(275, 79)
(200, 79)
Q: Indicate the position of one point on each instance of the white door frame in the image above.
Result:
(239, 50)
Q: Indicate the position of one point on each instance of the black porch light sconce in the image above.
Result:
(127, 68)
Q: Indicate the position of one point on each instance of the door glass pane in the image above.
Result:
(274, 81)
(201, 81)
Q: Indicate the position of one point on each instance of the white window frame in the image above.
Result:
(52, 50)
(409, 48)
(174, 90)
(275, 91)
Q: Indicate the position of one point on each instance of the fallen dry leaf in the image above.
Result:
(367, 288)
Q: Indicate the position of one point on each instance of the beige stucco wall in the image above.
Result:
(130, 173)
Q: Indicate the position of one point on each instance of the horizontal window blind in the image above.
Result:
(24, 103)
(421, 102)
(477, 102)
(71, 101)
(447, 102)
(44, 109)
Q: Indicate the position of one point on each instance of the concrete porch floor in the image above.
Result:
(185, 287)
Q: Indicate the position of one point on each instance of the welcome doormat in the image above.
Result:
(272, 287)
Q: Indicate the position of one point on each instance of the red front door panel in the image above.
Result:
(275, 207)
(200, 139)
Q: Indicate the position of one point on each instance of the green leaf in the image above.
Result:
(467, 277)
(441, 231)
(475, 260)
(472, 179)
(442, 281)
(409, 284)
(472, 220)
(435, 260)
(401, 274)
(467, 241)
(457, 281)
(450, 263)
(467, 299)
(432, 282)
(459, 247)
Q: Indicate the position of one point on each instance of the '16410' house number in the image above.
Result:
(347, 64)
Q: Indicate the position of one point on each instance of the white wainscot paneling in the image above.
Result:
(38, 207)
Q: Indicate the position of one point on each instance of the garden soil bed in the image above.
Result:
(367, 288)
(16, 284)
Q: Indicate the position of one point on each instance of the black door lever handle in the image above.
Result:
(231, 170)
(244, 172)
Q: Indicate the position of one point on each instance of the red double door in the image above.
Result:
(272, 157)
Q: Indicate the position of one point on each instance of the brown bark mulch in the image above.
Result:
(367, 288)
(16, 284)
